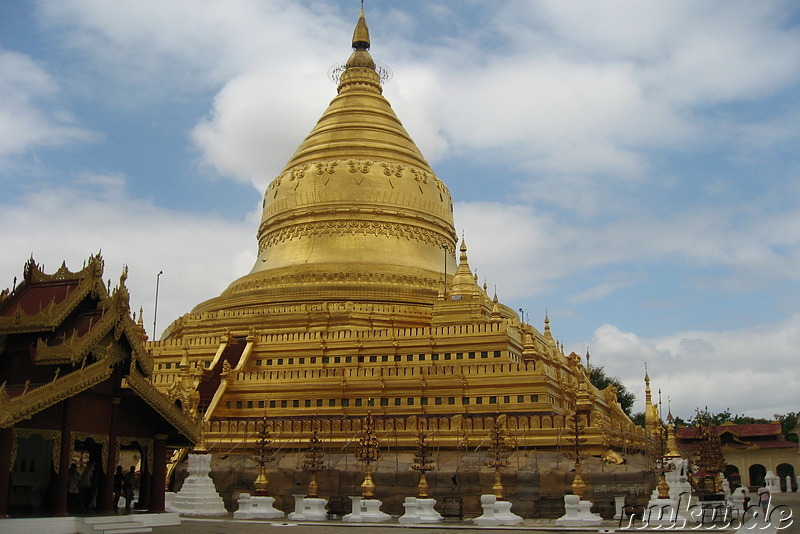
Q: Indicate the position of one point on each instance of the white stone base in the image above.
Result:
(309, 509)
(772, 482)
(662, 512)
(256, 507)
(619, 505)
(578, 513)
(496, 513)
(72, 524)
(419, 511)
(366, 511)
(197, 497)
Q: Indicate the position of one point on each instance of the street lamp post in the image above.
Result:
(444, 284)
(155, 307)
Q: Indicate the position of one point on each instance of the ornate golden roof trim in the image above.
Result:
(116, 320)
(161, 403)
(34, 401)
(314, 279)
(349, 227)
(92, 270)
(75, 348)
(53, 314)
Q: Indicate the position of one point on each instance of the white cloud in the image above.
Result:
(25, 123)
(689, 51)
(507, 244)
(200, 255)
(554, 90)
(183, 43)
(417, 95)
(751, 370)
(530, 254)
(256, 125)
(600, 290)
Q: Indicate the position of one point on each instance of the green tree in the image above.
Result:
(725, 417)
(638, 418)
(600, 380)
(788, 421)
(788, 424)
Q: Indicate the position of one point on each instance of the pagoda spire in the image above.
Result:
(672, 443)
(547, 334)
(463, 282)
(360, 67)
(651, 416)
(361, 33)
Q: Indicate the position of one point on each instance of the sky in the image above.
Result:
(630, 168)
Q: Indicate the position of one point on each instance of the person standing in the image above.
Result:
(763, 498)
(128, 486)
(73, 489)
(119, 481)
(85, 486)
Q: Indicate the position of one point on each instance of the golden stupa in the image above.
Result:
(362, 298)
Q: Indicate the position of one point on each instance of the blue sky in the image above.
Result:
(630, 168)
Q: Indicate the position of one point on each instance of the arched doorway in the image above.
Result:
(783, 471)
(757, 473)
(31, 486)
(133, 453)
(89, 454)
(733, 476)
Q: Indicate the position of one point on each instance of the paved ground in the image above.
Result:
(789, 503)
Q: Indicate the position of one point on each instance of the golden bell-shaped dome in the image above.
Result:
(357, 214)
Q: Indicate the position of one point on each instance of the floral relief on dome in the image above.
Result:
(297, 174)
(358, 168)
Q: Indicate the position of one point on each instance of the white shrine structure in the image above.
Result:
(197, 497)
(496, 513)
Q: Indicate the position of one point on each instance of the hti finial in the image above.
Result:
(361, 33)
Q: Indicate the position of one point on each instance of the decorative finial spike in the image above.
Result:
(361, 33)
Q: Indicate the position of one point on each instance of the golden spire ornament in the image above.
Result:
(576, 427)
(672, 442)
(499, 451)
(264, 455)
(314, 461)
(422, 463)
(368, 452)
(662, 463)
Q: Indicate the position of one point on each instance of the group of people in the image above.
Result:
(124, 484)
(83, 487)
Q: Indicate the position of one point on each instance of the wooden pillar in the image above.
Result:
(111, 467)
(158, 484)
(6, 441)
(62, 482)
(144, 481)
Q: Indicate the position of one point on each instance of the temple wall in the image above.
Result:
(535, 482)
